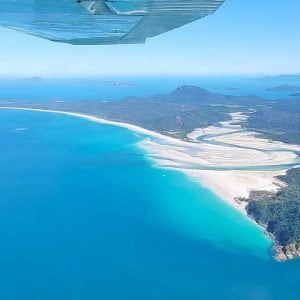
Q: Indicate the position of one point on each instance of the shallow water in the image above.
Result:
(209, 139)
(84, 215)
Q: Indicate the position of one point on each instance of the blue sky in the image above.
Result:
(243, 37)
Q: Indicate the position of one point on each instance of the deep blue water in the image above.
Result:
(101, 88)
(84, 215)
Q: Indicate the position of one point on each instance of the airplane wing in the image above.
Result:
(99, 22)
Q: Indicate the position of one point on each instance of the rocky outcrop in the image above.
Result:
(284, 253)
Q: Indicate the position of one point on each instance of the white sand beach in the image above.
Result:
(239, 162)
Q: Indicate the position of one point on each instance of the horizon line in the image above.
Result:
(78, 76)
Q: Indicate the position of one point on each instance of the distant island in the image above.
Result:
(284, 88)
(295, 95)
(284, 77)
(35, 80)
(249, 142)
(232, 89)
(118, 84)
(22, 81)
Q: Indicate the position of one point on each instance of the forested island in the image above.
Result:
(181, 111)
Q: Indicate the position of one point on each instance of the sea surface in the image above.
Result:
(114, 88)
(85, 215)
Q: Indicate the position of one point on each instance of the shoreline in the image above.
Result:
(91, 118)
(171, 153)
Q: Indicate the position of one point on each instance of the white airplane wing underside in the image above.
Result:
(96, 22)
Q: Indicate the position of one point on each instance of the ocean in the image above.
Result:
(85, 215)
(114, 88)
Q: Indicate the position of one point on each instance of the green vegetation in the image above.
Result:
(189, 107)
(176, 113)
(280, 211)
(279, 120)
(181, 111)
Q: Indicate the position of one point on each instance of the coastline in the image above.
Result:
(90, 118)
(223, 169)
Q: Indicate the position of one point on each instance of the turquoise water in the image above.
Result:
(207, 139)
(84, 215)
